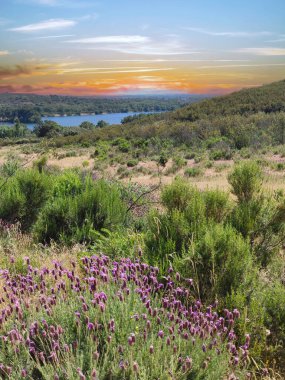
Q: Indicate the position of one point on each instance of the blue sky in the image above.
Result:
(151, 46)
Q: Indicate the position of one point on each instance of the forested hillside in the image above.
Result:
(268, 98)
(252, 117)
(29, 107)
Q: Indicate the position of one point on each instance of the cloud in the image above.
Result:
(8, 72)
(133, 44)
(4, 52)
(45, 25)
(242, 65)
(60, 3)
(159, 60)
(104, 70)
(267, 51)
(54, 36)
(120, 39)
(229, 34)
(158, 49)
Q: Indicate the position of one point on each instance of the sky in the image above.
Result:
(115, 47)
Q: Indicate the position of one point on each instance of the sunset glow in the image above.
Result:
(140, 47)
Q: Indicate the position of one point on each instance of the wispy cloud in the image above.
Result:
(120, 39)
(267, 51)
(242, 65)
(229, 33)
(157, 49)
(133, 44)
(104, 70)
(158, 60)
(54, 36)
(45, 25)
(60, 3)
(4, 52)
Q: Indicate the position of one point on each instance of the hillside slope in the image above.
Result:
(253, 117)
(268, 98)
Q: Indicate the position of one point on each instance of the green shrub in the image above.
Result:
(41, 163)
(12, 201)
(85, 163)
(10, 167)
(221, 154)
(132, 163)
(163, 159)
(217, 205)
(66, 184)
(280, 166)
(77, 215)
(193, 172)
(166, 236)
(23, 196)
(176, 195)
(220, 262)
(246, 180)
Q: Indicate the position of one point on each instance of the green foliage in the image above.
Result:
(47, 128)
(41, 163)
(222, 260)
(176, 195)
(166, 237)
(132, 163)
(102, 124)
(87, 125)
(162, 160)
(246, 180)
(193, 172)
(23, 196)
(217, 205)
(68, 183)
(10, 167)
(77, 212)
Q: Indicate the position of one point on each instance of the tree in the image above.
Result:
(102, 124)
(47, 128)
(87, 125)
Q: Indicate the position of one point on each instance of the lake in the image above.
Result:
(76, 120)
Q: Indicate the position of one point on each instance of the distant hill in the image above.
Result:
(268, 98)
(30, 107)
(248, 118)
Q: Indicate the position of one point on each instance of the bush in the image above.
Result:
(166, 237)
(10, 167)
(246, 180)
(48, 128)
(132, 163)
(75, 216)
(23, 197)
(12, 202)
(176, 195)
(220, 262)
(193, 172)
(217, 205)
(67, 183)
(41, 163)
(221, 154)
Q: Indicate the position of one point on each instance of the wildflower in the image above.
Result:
(160, 334)
(135, 367)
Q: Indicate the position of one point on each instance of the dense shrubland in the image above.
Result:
(230, 246)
